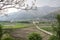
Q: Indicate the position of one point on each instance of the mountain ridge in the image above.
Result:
(29, 14)
(52, 15)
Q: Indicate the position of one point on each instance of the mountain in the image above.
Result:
(52, 15)
(29, 14)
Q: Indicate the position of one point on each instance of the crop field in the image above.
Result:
(15, 25)
(46, 26)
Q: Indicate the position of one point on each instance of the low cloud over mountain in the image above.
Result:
(29, 14)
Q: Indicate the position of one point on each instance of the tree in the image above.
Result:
(1, 31)
(56, 29)
(34, 36)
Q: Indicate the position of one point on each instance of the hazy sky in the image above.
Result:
(53, 3)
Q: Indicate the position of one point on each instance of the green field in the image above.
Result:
(47, 27)
(15, 25)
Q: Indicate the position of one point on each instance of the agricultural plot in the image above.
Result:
(46, 26)
(22, 30)
(15, 25)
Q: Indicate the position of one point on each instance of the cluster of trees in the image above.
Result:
(23, 22)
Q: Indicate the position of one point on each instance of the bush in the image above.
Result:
(7, 37)
(34, 36)
(2, 34)
(53, 38)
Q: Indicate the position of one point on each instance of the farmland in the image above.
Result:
(14, 25)
(47, 26)
(22, 30)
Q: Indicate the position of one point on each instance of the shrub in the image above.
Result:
(34, 36)
(53, 38)
(8, 38)
(2, 34)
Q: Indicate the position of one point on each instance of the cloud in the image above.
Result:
(53, 3)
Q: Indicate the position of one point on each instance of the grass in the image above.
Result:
(47, 27)
(15, 25)
(44, 26)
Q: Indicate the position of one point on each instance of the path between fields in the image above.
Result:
(48, 33)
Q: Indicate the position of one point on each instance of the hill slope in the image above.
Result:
(52, 15)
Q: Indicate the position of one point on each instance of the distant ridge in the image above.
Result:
(31, 14)
(52, 15)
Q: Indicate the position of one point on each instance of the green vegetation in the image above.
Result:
(1, 31)
(23, 22)
(15, 24)
(7, 37)
(53, 38)
(56, 30)
(47, 26)
(34, 36)
(4, 35)
(20, 25)
(49, 29)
